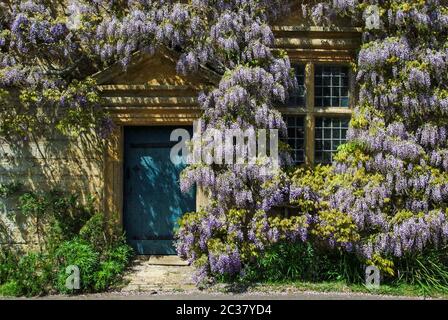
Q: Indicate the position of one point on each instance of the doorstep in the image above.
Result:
(158, 274)
(161, 260)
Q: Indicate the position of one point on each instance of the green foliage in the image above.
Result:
(10, 289)
(9, 259)
(109, 271)
(69, 233)
(428, 271)
(313, 180)
(336, 225)
(29, 274)
(94, 231)
(290, 262)
(78, 253)
(99, 269)
(8, 189)
(55, 216)
(42, 112)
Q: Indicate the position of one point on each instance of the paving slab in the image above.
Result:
(158, 273)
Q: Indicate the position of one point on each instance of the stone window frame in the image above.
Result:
(310, 112)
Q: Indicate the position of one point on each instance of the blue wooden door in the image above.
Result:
(153, 202)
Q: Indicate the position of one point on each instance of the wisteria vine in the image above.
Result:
(394, 168)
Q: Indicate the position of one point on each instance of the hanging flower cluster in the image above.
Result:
(44, 68)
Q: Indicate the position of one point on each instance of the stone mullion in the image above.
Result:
(309, 119)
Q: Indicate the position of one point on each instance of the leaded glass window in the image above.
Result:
(331, 86)
(296, 137)
(297, 97)
(330, 133)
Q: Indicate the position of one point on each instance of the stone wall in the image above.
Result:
(73, 165)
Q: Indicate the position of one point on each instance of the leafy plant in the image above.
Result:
(109, 271)
(428, 271)
(31, 276)
(286, 262)
(9, 189)
(94, 231)
(70, 233)
(81, 254)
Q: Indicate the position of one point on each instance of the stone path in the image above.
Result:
(159, 273)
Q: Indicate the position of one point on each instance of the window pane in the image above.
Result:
(318, 156)
(297, 98)
(296, 137)
(331, 86)
(291, 121)
(291, 132)
(329, 134)
(335, 81)
(336, 133)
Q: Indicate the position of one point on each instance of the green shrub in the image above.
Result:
(117, 259)
(8, 262)
(9, 189)
(281, 262)
(55, 216)
(69, 233)
(106, 275)
(94, 232)
(32, 275)
(98, 270)
(78, 253)
(11, 289)
(121, 253)
(68, 214)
